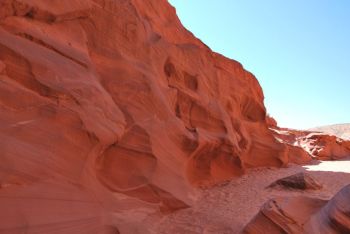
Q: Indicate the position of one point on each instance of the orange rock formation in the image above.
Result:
(112, 112)
(308, 145)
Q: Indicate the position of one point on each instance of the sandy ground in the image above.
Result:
(228, 208)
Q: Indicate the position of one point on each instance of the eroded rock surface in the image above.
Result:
(112, 112)
(285, 215)
(294, 215)
(333, 217)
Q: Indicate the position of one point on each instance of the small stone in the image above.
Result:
(300, 181)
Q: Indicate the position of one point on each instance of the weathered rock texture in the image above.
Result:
(334, 217)
(112, 112)
(284, 215)
(295, 215)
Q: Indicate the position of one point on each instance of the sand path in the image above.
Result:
(228, 208)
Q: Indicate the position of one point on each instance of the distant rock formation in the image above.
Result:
(307, 145)
(339, 130)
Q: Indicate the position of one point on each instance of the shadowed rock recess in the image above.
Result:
(112, 113)
(301, 181)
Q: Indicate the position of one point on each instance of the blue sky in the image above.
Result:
(299, 50)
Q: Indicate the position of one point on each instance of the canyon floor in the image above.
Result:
(229, 207)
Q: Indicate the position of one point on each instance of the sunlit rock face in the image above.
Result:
(307, 145)
(112, 112)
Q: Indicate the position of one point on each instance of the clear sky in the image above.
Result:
(299, 50)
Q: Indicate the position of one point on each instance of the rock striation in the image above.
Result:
(334, 217)
(294, 215)
(285, 215)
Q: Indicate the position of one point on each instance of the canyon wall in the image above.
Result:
(112, 114)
